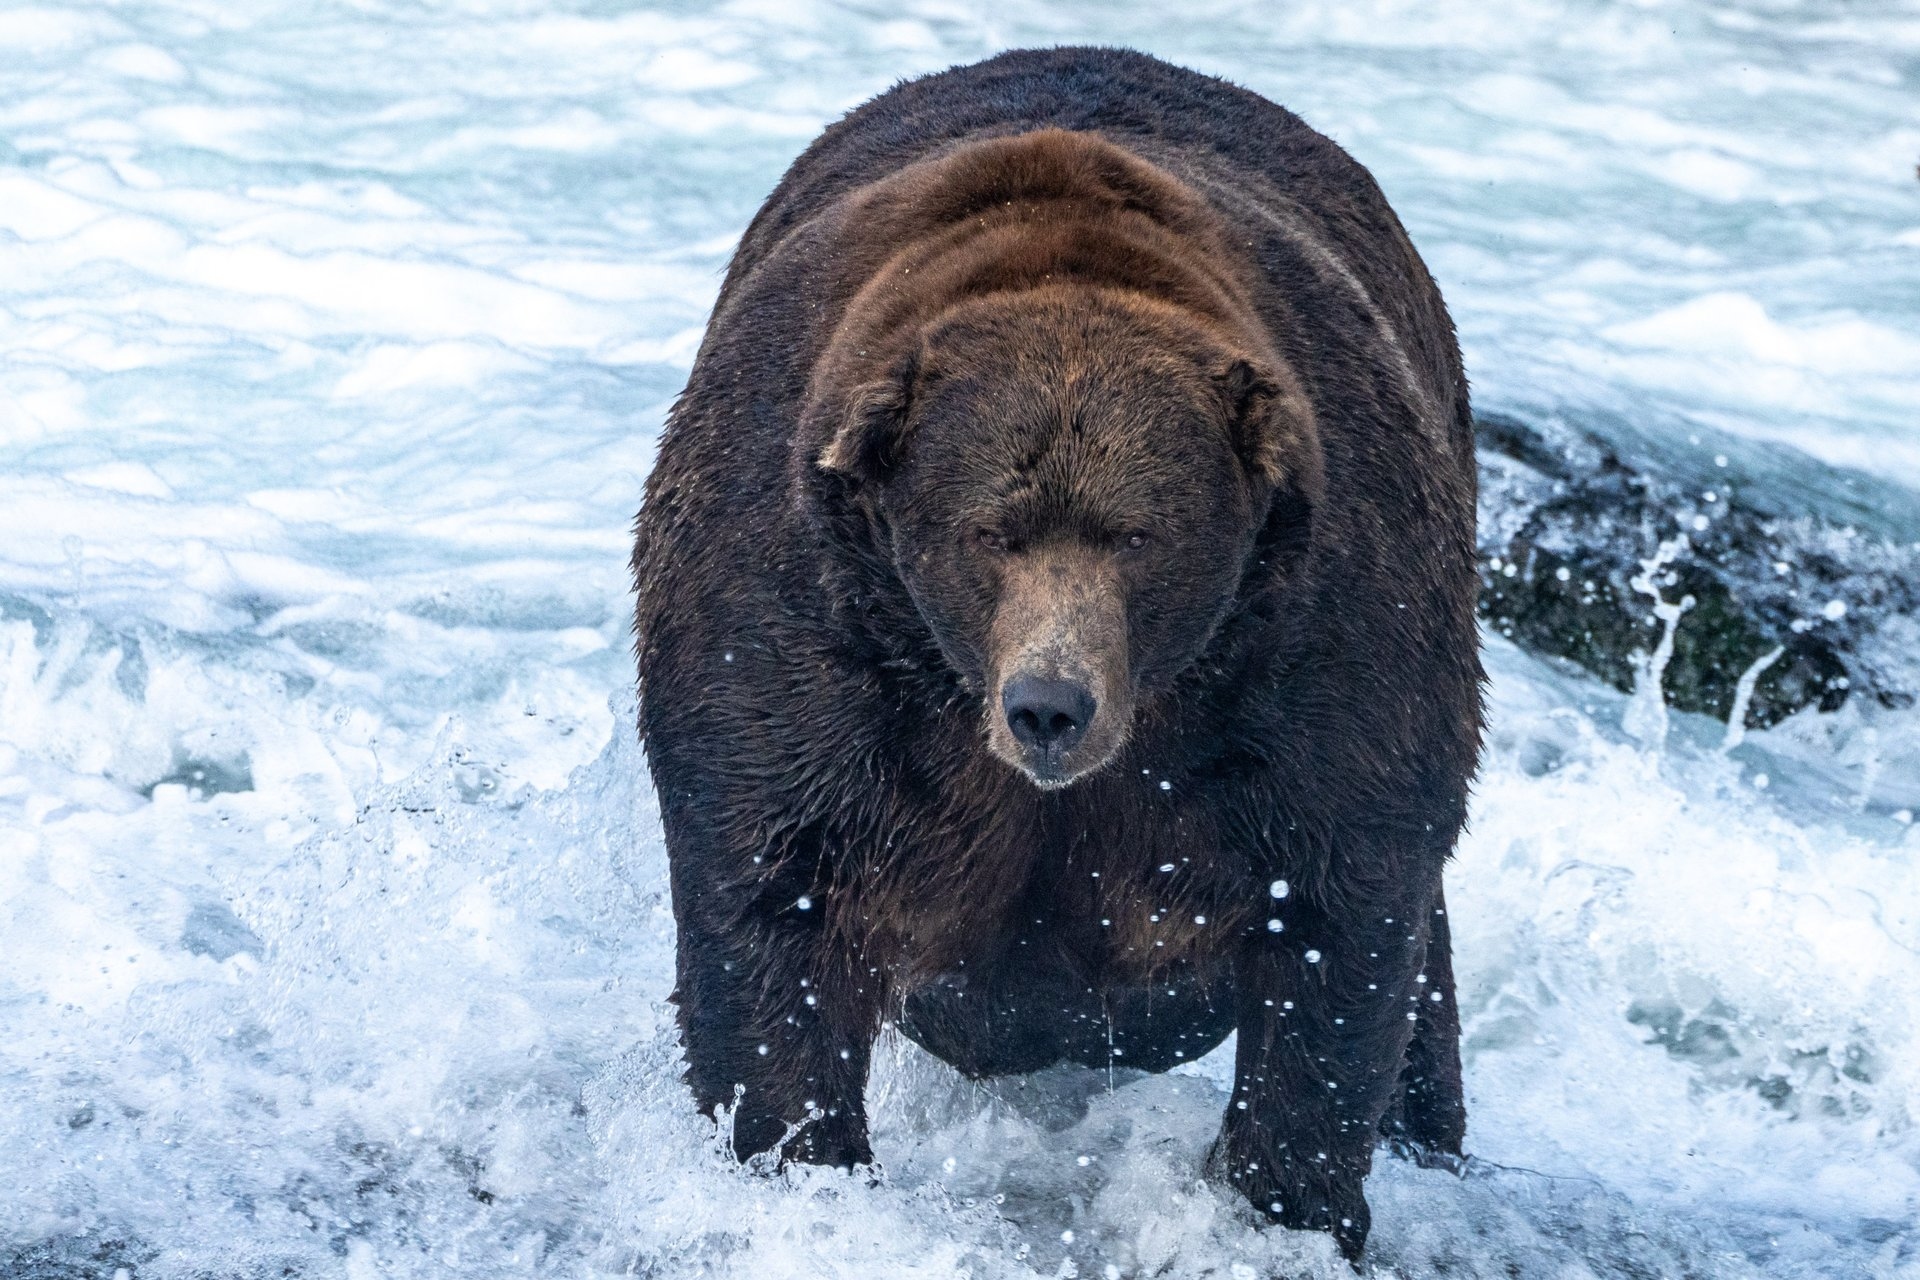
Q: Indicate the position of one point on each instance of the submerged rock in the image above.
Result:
(1578, 547)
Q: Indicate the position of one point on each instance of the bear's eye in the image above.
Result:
(1136, 540)
(991, 539)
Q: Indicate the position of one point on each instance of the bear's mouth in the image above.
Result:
(1049, 772)
(1052, 770)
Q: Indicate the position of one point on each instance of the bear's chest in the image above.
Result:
(1128, 871)
(1129, 889)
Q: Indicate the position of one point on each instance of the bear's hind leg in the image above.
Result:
(1428, 1120)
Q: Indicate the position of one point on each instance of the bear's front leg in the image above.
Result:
(776, 1029)
(1326, 1007)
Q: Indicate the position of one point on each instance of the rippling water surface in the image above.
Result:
(334, 341)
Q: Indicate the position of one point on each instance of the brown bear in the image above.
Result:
(1056, 623)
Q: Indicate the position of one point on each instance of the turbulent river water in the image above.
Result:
(334, 940)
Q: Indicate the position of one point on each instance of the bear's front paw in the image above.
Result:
(1311, 1194)
(832, 1140)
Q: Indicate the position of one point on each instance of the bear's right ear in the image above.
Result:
(866, 441)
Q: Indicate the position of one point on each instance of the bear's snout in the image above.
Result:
(1047, 717)
(1057, 669)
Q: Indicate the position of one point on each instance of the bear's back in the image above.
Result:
(1251, 155)
(1118, 92)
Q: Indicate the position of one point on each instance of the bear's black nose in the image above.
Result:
(1047, 715)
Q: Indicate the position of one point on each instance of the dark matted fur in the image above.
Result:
(1180, 367)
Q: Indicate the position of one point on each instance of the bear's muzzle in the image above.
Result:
(1059, 706)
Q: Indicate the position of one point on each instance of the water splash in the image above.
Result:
(1645, 718)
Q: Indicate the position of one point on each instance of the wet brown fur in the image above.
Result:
(989, 328)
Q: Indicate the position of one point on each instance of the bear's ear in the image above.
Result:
(1272, 424)
(864, 443)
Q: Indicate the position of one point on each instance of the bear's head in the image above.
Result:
(1071, 483)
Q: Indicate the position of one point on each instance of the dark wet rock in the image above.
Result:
(1575, 539)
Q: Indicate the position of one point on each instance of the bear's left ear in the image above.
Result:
(866, 429)
(1272, 425)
